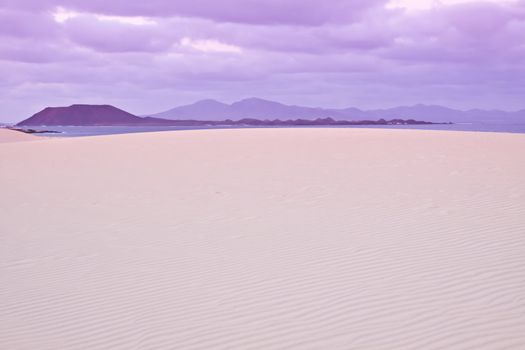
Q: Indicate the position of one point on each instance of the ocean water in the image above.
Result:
(78, 131)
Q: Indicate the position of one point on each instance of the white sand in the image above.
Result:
(264, 239)
(7, 135)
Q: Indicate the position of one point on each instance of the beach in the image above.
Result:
(8, 136)
(263, 239)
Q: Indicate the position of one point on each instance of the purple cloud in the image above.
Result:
(150, 56)
(299, 12)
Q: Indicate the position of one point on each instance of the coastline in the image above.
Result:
(77, 131)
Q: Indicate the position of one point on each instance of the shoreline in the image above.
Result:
(80, 131)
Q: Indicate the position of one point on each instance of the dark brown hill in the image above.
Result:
(82, 115)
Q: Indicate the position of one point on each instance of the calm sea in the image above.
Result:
(75, 131)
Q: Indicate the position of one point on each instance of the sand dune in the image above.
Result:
(264, 239)
(7, 135)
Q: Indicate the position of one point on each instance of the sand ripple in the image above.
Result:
(264, 239)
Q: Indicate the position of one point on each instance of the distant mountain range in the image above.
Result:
(255, 111)
(264, 109)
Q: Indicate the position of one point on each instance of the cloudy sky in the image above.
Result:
(149, 56)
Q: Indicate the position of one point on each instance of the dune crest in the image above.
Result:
(7, 135)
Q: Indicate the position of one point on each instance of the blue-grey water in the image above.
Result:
(75, 131)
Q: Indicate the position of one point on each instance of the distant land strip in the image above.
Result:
(106, 115)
